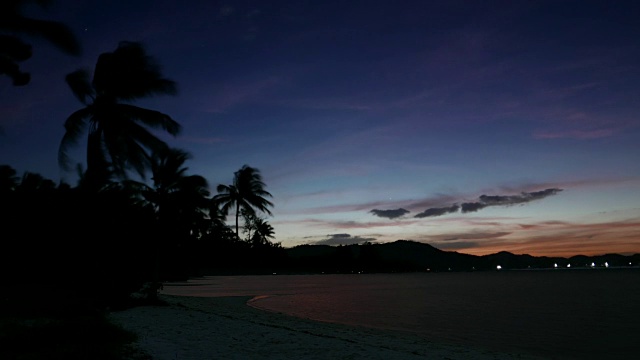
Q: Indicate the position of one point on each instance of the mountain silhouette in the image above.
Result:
(406, 255)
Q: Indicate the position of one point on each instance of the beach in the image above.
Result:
(196, 328)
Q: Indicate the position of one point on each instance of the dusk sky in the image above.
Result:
(474, 126)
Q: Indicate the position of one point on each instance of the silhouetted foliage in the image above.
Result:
(180, 202)
(246, 193)
(91, 243)
(13, 49)
(118, 134)
(8, 179)
(258, 230)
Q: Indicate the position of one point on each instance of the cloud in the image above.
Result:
(343, 239)
(506, 200)
(547, 238)
(390, 214)
(575, 134)
(469, 240)
(203, 140)
(467, 207)
(517, 199)
(438, 211)
(241, 92)
(472, 207)
(473, 236)
(452, 246)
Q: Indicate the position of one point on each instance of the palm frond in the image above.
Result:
(80, 85)
(74, 126)
(151, 118)
(54, 32)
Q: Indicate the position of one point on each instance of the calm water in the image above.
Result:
(559, 314)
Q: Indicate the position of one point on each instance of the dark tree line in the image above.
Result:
(135, 216)
(107, 243)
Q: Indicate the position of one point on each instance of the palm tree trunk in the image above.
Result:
(237, 214)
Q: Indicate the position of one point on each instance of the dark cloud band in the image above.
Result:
(467, 207)
(343, 239)
(438, 211)
(389, 214)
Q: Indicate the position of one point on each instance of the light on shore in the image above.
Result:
(498, 267)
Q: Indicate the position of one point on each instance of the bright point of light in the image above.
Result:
(568, 265)
(606, 264)
(593, 264)
(555, 265)
(498, 267)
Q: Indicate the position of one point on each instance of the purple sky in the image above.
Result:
(403, 107)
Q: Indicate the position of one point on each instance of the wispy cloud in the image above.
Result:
(203, 140)
(474, 235)
(575, 134)
(346, 225)
(571, 123)
(467, 240)
(547, 238)
(240, 92)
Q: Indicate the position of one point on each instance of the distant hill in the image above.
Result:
(405, 255)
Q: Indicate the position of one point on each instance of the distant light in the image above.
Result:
(606, 264)
(568, 265)
(555, 265)
(593, 264)
(498, 267)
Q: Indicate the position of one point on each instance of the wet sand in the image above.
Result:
(198, 328)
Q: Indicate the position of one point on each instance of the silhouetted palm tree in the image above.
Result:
(118, 133)
(14, 50)
(263, 231)
(173, 192)
(246, 193)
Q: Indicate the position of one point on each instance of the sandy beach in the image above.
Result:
(196, 328)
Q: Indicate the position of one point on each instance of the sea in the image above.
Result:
(557, 314)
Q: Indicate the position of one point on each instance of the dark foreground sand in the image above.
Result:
(193, 328)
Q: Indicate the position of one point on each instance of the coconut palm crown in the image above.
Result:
(246, 193)
(119, 135)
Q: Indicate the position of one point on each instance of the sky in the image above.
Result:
(474, 126)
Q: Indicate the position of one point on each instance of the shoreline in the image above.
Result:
(195, 328)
